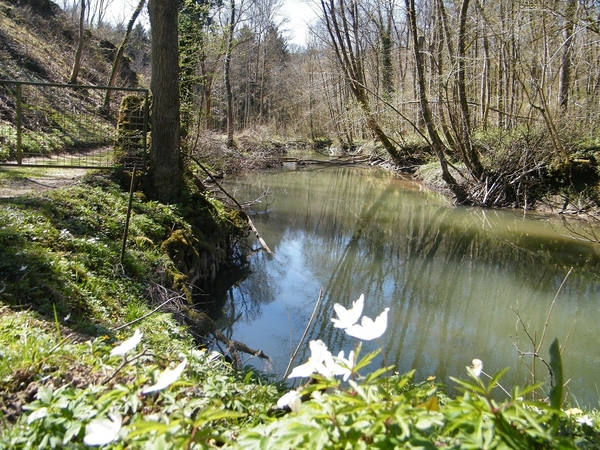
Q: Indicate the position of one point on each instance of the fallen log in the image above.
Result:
(258, 236)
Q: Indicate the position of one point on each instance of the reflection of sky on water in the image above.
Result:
(452, 277)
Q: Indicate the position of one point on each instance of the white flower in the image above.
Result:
(204, 356)
(348, 317)
(477, 367)
(344, 365)
(292, 400)
(320, 361)
(166, 378)
(128, 345)
(102, 431)
(573, 411)
(585, 420)
(369, 329)
(315, 363)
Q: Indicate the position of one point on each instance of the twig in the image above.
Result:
(310, 321)
(150, 313)
(523, 325)
(123, 364)
(497, 384)
(552, 306)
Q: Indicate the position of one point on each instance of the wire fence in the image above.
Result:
(72, 126)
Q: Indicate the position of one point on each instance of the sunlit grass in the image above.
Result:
(66, 300)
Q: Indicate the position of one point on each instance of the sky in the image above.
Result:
(299, 13)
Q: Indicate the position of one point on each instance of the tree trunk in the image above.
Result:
(230, 124)
(343, 29)
(166, 169)
(565, 64)
(119, 54)
(471, 157)
(436, 141)
(79, 52)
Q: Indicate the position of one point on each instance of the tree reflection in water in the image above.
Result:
(452, 277)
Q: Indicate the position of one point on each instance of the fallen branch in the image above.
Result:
(258, 236)
(310, 321)
(232, 344)
(260, 239)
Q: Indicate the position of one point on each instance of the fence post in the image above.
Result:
(146, 120)
(19, 122)
(126, 230)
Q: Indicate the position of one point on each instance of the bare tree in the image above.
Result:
(119, 54)
(342, 20)
(231, 30)
(565, 64)
(80, 42)
(436, 142)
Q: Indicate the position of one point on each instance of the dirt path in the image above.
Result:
(17, 181)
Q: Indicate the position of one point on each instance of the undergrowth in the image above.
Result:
(66, 300)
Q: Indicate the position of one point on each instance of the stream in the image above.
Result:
(460, 282)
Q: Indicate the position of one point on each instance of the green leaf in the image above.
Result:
(37, 414)
(366, 360)
(72, 431)
(495, 381)
(44, 395)
(378, 373)
(142, 427)
(556, 393)
(467, 386)
(211, 414)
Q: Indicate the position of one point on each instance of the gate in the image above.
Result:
(72, 126)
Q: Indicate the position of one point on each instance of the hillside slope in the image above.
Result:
(38, 43)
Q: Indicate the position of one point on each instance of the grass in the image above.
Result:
(66, 301)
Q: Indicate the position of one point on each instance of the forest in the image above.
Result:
(113, 294)
(494, 101)
(503, 95)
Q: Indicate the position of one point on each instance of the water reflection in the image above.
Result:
(452, 277)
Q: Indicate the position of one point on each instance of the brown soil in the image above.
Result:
(37, 180)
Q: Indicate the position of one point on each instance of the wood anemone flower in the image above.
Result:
(166, 378)
(477, 367)
(102, 431)
(348, 317)
(291, 400)
(320, 361)
(369, 329)
(345, 365)
(128, 345)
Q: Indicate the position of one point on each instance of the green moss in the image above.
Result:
(64, 249)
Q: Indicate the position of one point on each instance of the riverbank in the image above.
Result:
(68, 301)
(518, 175)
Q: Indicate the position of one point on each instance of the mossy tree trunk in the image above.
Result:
(166, 167)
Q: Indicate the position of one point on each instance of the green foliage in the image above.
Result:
(213, 405)
(62, 261)
(62, 250)
(556, 391)
(206, 406)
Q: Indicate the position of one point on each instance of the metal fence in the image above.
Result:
(72, 126)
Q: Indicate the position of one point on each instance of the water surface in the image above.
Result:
(461, 283)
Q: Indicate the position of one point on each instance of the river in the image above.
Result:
(460, 282)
